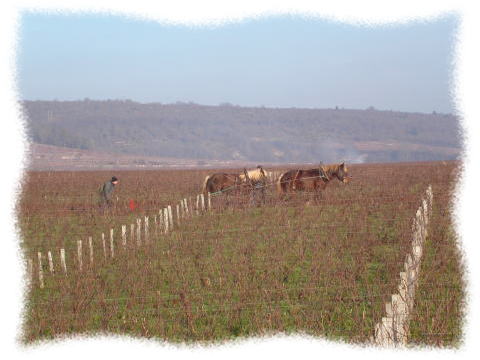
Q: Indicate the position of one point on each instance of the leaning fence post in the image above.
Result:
(62, 260)
(124, 235)
(50, 262)
(40, 270)
(90, 247)
(112, 252)
(79, 254)
(187, 212)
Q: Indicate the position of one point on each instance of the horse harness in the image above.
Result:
(323, 175)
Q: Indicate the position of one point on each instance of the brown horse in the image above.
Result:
(220, 182)
(312, 179)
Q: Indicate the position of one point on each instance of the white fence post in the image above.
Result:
(394, 329)
(198, 205)
(202, 199)
(165, 219)
(90, 247)
(209, 201)
(62, 260)
(79, 254)
(170, 216)
(124, 235)
(40, 270)
(104, 246)
(132, 233)
(178, 214)
(146, 229)
(112, 251)
(155, 225)
(50, 262)
(160, 221)
(139, 232)
(187, 213)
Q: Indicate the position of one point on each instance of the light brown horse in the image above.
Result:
(220, 182)
(257, 176)
(313, 180)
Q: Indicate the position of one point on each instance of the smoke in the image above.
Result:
(331, 150)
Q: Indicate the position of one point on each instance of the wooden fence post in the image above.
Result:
(178, 214)
(198, 205)
(132, 233)
(50, 262)
(90, 247)
(79, 254)
(62, 260)
(394, 328)
(40, 270)
(155, 222)
(112, 252)
(209, 201)
(124, 236)
(104, 246)
(165, 221)
(187, 213)
(139, 232)
(170, 216)
(202, 199)
(146, 230)
(161, 225)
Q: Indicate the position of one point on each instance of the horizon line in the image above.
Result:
(229, 104)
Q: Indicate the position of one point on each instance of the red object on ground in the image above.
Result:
(132, 205)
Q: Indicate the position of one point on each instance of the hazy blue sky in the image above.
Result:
(275, 62)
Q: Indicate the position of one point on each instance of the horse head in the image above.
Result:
(342, 173)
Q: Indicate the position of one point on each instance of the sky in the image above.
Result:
(282, 61)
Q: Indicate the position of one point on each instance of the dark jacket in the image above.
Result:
(106, 191)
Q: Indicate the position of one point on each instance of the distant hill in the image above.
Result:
(251, 134)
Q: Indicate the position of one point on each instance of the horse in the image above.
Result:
(256, 176)
(312, 179)
(220, 182)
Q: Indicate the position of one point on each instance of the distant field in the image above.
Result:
(325, 268)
